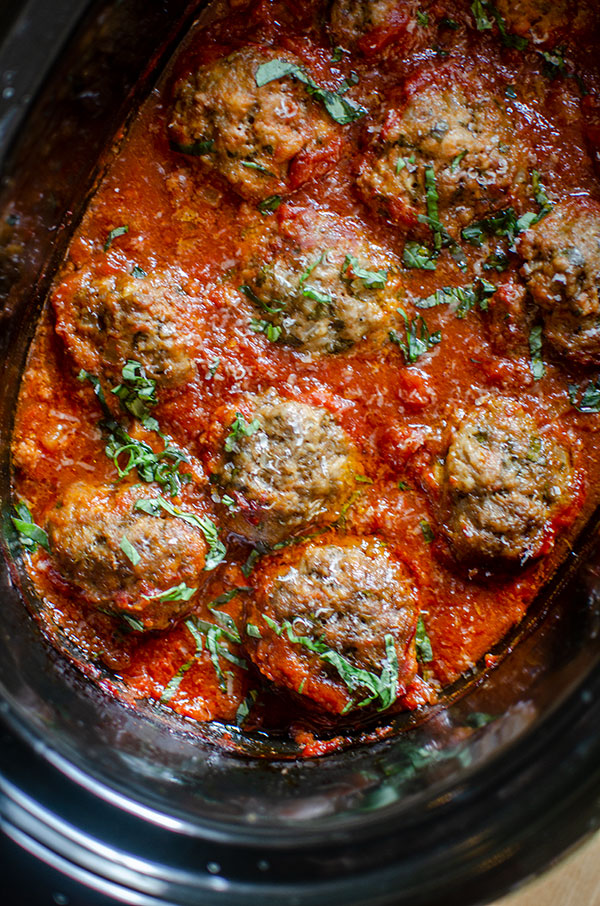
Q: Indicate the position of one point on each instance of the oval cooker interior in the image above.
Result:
(498, 780)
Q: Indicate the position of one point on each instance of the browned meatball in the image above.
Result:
(372, 25)
(443, 137)
(505, 483)
(326, 299)
(106, 321)
(261, 139)
(123, 560)
(337, 620)
(562, 271)
(288, 466)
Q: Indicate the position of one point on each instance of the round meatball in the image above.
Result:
(440, 137)
(263, 140)
(288, 466)
(372, 25)
(123, 560)
(323, 301)
(337, 622)
(106, 321)
(505, 484)
(562, 269)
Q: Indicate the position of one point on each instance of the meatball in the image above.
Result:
(440, 137)
(328, 612)
(263, 140)
(88, 532)
(372, 25)
(287, 467)
(323, 301)
(105, 321)
(505, 482)
(562, 270)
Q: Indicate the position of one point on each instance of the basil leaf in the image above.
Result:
(30, 534)
(417, 339)
(535, 347)
(371, 279)
(423, 643)
(114, 234)
(419, 256)
(181, 592)
(175, 682)
(426, 531)
(239, 428)
(129, 551)
(270, 204)
(196, 149)
(138, 272)
(244, 709)
(341, 109)
(586, 399)
(137, 392)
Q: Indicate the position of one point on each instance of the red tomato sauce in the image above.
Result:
(397, 413)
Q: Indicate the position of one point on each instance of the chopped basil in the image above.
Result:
(129, 551)
(419, 256)
(244, 709)
(426, 531)
(137, 393)
(422, 18)
(228, 596)
(535, 347)
(253, 631)
(213, 367)
(181, 592)
(216, 549)
(449, 23)
(131, 622)
(339, 108)
(482, 20)
(271, 331)
(510, 91)
(336, 54)
(485, 13)
(462, 299)
(114, 234)
(501, 223)
(30, 534)
(554, 62)
(252, 165)
(383, 687)
(138, 272)
(423, 643)
(417, 340)
(213, 635)
(352, 270)
(196, 149)
(253, 556)
(431, 199)
(239, 428)
(402, 486)
(457, 161)
(163, 467)
(250, 294)
(270, 204)
(363, 479)
(586, 399)
(174, 683)
(497, 261)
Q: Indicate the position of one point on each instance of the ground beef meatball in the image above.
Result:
(372, 25)
(289, 466)
(326, 611)
(105, 321)
(264, 140)
(562, 270)
(440, 136)
(505, 483)
(87, 531)
(323, 301)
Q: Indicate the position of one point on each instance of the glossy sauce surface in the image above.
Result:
(186, 221)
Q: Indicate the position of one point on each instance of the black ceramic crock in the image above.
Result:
(99, 802)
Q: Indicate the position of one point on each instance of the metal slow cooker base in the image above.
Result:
(139, 809)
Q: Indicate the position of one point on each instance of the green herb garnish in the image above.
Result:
(535, 347)
(339, 108)
(419, 256)
(586, 399)
(426, 531)
(129, 551)
(137, 393)
(114, 234)
(462, 299)
(417, 339)
(352, 270)
(30, 534)
(271, 331)
(138, 272)
(175, 682)
(216, 549)
(239, 428)
(270, 204)
(181, 592)
(196, 149)
(423, 643)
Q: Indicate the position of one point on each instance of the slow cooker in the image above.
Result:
(100, 802)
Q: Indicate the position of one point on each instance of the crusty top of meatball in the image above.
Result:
(323, 301)
(441, 137)
(286, 466)
(561, 267)
(505, 481)
(122, 559)
(331, 610)
(260, 138)
(107, 321)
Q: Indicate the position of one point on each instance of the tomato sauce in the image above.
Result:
(397, 413)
